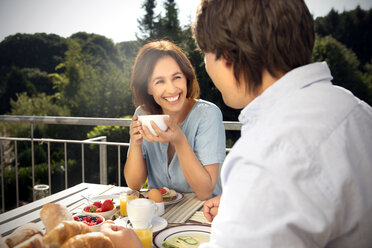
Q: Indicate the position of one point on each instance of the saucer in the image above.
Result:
(158, 223)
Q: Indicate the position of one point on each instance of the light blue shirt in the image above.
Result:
(203, 128)
(301, 173)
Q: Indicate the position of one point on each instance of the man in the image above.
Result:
(300, 175)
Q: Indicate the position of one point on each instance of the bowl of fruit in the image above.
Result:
(94, 221)
(106, 208)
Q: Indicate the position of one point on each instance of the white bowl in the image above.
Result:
(95, 228)
(158, 119)
(108, 214)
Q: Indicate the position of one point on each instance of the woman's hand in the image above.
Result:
(210, 208)
(135, 129)
(172, 134)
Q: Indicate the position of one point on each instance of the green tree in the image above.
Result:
(14, 81)
(343, 64)
(147, 23)
(352, 28)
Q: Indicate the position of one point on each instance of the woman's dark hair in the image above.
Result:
(253, 35)
(143, 68)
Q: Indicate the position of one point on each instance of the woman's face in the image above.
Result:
(168, 85)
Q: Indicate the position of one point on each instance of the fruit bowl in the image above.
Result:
(94, 221)
(107, 209)
(107, 214)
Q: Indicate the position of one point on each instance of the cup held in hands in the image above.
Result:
(158, 119)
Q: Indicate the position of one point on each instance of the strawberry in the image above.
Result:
(92, 209)
(98, 204)
(87, 208)
(107, 205)
(98, 210)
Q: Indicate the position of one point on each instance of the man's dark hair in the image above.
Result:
(253, 35)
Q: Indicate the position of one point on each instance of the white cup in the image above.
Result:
(161, 209)
(141, 212)
(158, 119)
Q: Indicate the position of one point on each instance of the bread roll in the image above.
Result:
(89, 240)
(52, 214)
(63, 231)
(2, 243)
(35, 241)
(22, 233)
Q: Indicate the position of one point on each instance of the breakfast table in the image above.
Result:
(187, 210)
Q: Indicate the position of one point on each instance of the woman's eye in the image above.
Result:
(159, 82)
(177, 77)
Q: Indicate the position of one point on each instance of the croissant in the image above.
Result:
(89, 240)
(23, 233)
(63, 231)
(35, 241)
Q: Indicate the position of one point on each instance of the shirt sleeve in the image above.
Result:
(210, 140)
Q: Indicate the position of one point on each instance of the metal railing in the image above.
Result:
(101, 141)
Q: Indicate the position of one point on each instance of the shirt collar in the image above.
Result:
(295, 79)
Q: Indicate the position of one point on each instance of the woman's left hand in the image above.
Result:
(172, 134)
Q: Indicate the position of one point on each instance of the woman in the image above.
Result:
(187, 156)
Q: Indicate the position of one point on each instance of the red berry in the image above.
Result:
(76, 218)
(107, 205)
(98, 204)
(86, 209)
(98, 210)
(99, 220)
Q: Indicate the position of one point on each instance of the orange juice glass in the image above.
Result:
(145, 235)
(126, 196)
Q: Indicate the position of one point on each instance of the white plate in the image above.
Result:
(101, 198)
(187, 229)
(178, 198)
(158, 223)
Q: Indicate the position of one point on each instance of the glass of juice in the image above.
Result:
(145, 235)
(125, 196)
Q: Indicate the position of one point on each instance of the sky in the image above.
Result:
(115, 19)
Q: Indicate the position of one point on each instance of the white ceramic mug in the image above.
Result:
(158, 119)
(141, 212)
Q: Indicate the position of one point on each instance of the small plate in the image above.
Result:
(158, 223)
(101, 198)
(176, 199)
(187, 229)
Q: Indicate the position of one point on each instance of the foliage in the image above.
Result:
(92, 85)
(113, 133)
(147, 23)
(39, 105)
(352, 28)
(344, 66)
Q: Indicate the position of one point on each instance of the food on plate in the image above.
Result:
(168, 194)
(185, 241)
(98, 207)
(63, 231)
(155, 195)
(23, 233)
(89, 240)
(52, 214)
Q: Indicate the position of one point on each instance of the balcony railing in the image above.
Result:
(100, 141)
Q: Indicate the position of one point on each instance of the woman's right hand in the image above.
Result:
(135, 129)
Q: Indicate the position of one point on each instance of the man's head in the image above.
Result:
(256, 35)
